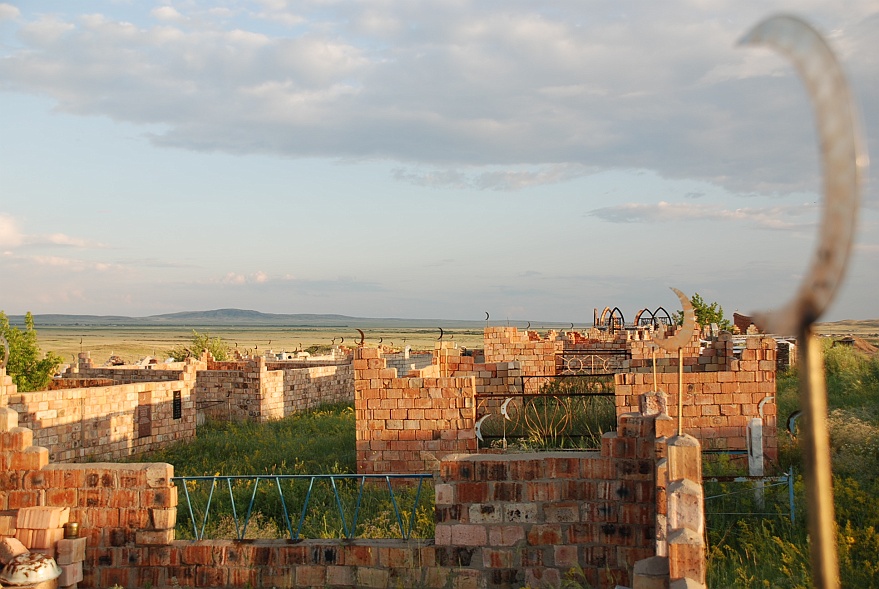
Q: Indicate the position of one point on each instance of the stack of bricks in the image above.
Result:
(41, 529)
(18, 458)
(508, 344)
(408, 424)
(70, 555)
(530, 519)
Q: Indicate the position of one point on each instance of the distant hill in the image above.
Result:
(247, 318)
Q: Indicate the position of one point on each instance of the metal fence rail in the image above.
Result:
(349, 525)
(757, 489)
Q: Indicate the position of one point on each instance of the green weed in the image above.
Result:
(753, 552)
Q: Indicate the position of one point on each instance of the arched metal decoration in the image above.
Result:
(362, 337)
(611, 323)
(667, 321)
(5, 353)
(441, 334)
(487, 315)
(844, 163)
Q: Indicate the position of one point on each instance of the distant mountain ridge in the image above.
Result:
(242, 317)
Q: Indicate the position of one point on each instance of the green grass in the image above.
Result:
(315, 442)
(772, 552)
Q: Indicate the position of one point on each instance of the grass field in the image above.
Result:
(134, 342)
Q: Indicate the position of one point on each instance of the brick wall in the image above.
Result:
(535, 356)
(261, 391)
(530, 518)
(107, 422)
(721, 393)
(502, 520)
(406, 424)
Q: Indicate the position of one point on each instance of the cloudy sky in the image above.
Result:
(431, 159)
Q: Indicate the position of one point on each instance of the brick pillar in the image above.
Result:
(686, 513)
(7, 388)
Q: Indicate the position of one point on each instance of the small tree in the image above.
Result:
(705, 314)
(28, 370)
(198, 343)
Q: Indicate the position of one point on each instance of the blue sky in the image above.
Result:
(432, 159)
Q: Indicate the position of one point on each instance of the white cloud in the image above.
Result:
(10, 234)
(167, 13)
(493, 179)
(779, 217)
(8, 12)
(446, 88)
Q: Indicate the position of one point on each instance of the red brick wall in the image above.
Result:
(721, 393)
(530, 518)
(407, 424)
(503, 520)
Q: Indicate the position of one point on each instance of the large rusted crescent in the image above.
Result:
(843, 159)
(685, 334)
(362, 336)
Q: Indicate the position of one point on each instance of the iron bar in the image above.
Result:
(349, 525)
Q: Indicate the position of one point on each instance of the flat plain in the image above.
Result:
(134, 342)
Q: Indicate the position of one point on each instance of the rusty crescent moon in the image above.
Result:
(682, 337)
(362, 336)
(441, 334)
(528, 326)
(343, 341)
(381, 339)
(487, 315)
(843, 160)
(5, 352)
(572, 326)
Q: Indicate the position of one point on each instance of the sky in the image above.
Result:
(432, 159)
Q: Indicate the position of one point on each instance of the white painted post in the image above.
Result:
(755, 456)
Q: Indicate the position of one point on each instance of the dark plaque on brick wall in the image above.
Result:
(144, 420)
(177, 405)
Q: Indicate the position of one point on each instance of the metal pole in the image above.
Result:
(819, 487)
(680, 391)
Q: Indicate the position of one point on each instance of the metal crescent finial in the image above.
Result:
(362, 337)
(5, 352)
(441, 334)
(843, 159)
(688, 328)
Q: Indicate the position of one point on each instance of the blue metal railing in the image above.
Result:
(349, 527)
(755, 486)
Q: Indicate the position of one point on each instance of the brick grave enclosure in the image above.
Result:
(629, 513)
(502, 520)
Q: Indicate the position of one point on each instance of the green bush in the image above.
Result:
(29, 371)
(198, 344)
